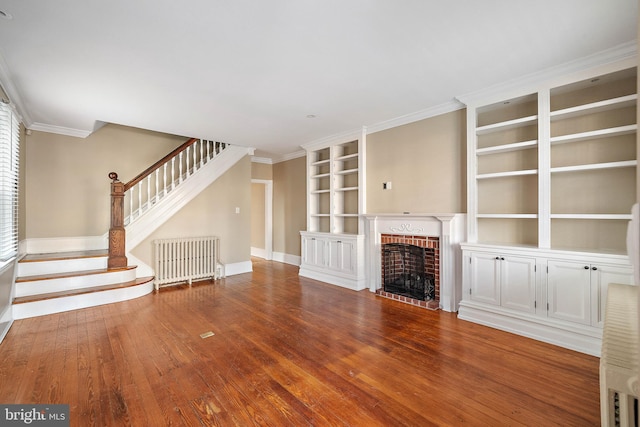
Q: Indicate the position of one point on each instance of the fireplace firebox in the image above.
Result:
(405, 272)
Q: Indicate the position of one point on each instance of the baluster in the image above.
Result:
(188, 157)
(180, 166)
(173, 173)
(208, 151)
(140, 198)
(164, 179)
(157, 184)
(148, 192)
(195, 156)
(201, 153)
(131, 204)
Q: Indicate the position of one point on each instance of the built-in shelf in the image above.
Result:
(509, 124)
(516, 146)
(506, 174)
(508, 216)
(600, 133)
(592, 216)
(595, 166)
(595, 107)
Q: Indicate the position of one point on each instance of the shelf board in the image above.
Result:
(595, 166)
(509, 124)
(595, 107)
(591, 216)
(347, 189)
(594, 134)
(508, 216)
(320, 191)
(347, 215)
(321, 175)
(507, 174)
(320, 162)
(319, 215)
(347, 157)
(516, 146)
(346, 172)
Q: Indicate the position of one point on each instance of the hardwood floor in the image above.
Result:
(289, 351)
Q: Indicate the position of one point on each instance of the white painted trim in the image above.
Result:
(143, 269)
(6, 320)
(268, 216)
(287, 258)
(58, 305)
(339, 138)
(12, 92)
(619, 57)
(265, 160)
(333, 278)
(60, 130)
(437, 110)
(258, 252)
(238, 268)
(63, 244)
(584, 340)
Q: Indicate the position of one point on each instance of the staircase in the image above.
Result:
(57, 282)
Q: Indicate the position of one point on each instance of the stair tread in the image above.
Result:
(60, 256)
(71, 274)
(81, 291)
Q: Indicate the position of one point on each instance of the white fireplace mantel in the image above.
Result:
(450, 228)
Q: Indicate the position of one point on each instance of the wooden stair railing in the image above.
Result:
(165, 175)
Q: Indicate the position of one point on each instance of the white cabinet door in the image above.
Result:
(601, 276)
(485, 278)
(313, 251)
(518, 283)
(342, 255)
(569, 291)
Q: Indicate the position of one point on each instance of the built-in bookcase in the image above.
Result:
(555, 168)
(335, 188)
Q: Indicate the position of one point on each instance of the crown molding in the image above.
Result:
(436, 110)
(265, 160)
(622, 56)
(14, 97)
(42, 127)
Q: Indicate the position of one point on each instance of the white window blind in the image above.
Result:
(9, 168)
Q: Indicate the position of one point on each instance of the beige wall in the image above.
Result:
(289, 205)
(212, 213)
(258, 216)
(261, 171)
(424, 161)
(66, 178)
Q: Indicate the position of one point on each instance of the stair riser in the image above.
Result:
(75, 302)
(38, 287)
(37, 268)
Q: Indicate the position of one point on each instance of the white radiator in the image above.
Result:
(619, 385)
(186, 259)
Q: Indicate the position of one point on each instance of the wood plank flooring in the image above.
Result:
(289, 351)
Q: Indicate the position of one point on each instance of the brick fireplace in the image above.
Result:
(430, 260)
(443, 232)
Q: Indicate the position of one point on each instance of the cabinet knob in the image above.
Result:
(594, 268)
(498, 258)
(586, 267)
(501, 258)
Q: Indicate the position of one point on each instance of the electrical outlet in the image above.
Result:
(386, 185)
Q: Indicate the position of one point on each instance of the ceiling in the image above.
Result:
(280, 73)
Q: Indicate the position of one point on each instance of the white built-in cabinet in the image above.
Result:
(333, 244)
(551, 182)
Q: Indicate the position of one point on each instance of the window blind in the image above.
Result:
(9, 171)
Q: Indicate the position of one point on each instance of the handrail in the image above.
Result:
(157, 164)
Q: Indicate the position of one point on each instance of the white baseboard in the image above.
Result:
(238, 268)
(287, 259)
(259, 252)
(62, 244)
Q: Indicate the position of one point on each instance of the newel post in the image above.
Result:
(117, 258)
